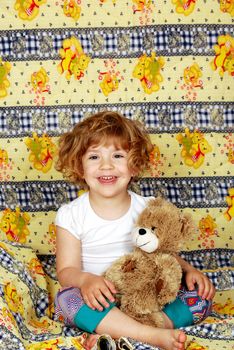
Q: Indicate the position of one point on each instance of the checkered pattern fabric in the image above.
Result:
(213, 330)
(16, 267)
(185, 192)
(16, 45)
(156, 116)
(50, 195)
(141, 346)
(39, 297)
(8, 338)
(201, 259)
(5, 258)
(42, 303)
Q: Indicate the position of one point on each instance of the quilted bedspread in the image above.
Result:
(169, 64)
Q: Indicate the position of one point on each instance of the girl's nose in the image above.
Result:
(106, 163)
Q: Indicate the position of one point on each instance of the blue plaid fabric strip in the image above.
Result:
(40, 196)
(158, 117)
(167, 40)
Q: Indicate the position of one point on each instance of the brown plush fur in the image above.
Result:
(148, 281)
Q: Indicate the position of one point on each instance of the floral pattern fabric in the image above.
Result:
(168, 64)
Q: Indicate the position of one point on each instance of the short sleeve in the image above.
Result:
(65, 219)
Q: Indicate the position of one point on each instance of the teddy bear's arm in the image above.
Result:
(167, 279)
(117, 271)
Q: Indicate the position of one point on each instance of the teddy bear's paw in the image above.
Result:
(166, 296)
(157, 319)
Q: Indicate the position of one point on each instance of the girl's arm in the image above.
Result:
(193, 276)
(94, 289)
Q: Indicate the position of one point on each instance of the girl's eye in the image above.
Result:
(118, 155)
(93, 157)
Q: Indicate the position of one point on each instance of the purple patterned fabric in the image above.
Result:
(67, 303)
(200, 308)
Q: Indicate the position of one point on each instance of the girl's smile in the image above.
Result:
(107, 179)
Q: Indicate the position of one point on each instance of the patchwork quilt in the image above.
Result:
(169, 64)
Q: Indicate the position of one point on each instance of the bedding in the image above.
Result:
(169, 64)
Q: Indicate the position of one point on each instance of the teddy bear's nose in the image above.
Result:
(142, 231)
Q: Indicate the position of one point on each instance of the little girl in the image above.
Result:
(103, 153)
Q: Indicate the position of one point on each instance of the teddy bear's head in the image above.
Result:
(161, 226)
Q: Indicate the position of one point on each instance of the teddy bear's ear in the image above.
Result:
(187, 225)
(156, 202)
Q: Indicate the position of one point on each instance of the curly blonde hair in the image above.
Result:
(98, 129)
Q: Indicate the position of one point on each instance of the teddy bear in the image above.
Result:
(150, 277)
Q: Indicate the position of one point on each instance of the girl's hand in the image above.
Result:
(97, 291)
(206, 290)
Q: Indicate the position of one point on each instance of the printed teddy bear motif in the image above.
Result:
(224, 55)
(194, 148)
(14, 224)
(227, 6)
(141, 5)
(147, 71)
(42, 151)
(74, 60)
(192, 76)
(39, 80)
(195, 346)
(110, 83)
(72, 9)
(207, 226)
(28, 9)
(229, 214)
(3, 157)
(184, 7)
(35, 267)
(13, 298)
(5, 68)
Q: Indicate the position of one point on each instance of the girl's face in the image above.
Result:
(105, 170)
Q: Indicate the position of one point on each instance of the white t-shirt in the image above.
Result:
(102, 241)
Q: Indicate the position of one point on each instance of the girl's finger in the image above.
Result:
(110, 285)
(101, 299)
(108, 295)
(201, 286)
(190, 283)
(206, 290)
(94, 303)
(86, 301)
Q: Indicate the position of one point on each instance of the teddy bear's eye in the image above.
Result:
(153, 228)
